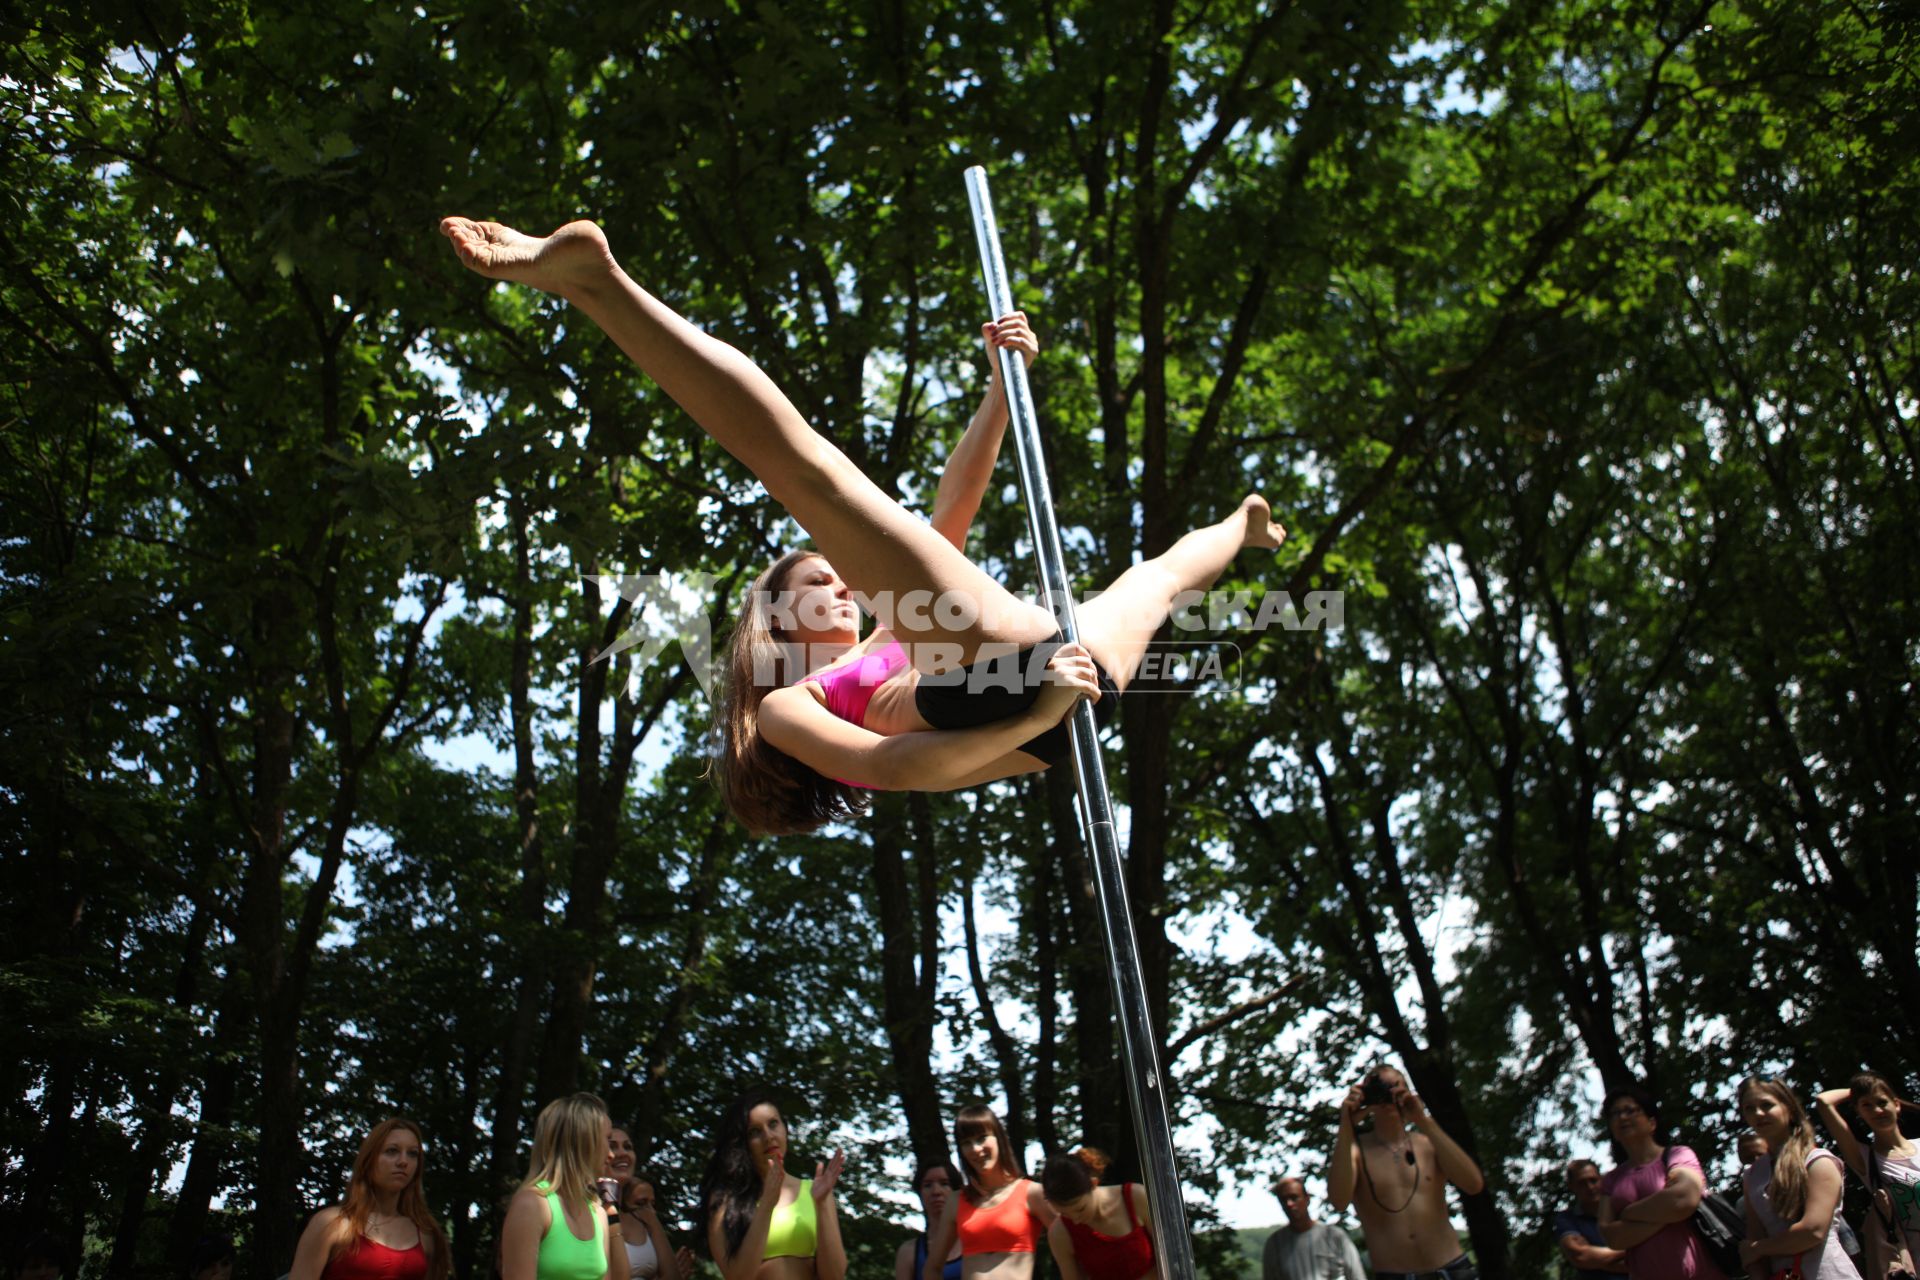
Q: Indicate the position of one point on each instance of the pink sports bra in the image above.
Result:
(850, 688)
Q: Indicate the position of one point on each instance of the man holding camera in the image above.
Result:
(1395, 1177)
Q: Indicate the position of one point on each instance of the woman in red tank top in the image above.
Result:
(999, 1216)
(1101, 1233)
(381, 1230)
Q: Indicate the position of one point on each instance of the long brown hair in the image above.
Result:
(973, 1121)
(1787, 1191)
(767, 790)
(357, 1206)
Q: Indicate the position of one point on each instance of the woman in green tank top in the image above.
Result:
(763, 1224)
(557, 1228)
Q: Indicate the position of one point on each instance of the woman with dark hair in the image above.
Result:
(382, 1229)
(1648, 1198)
(935, 1184)
(1792, 1192)
(1000, 1215)
(1888, 1163)
(961, 683)
(212, 1259)
(1102, 1232)
(650, 1254)
(762, 1223)
(618, 1166)
(558, 1227)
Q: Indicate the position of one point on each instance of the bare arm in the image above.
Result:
(1674, 1202)
(1816, 1219)
(1062, 1246)
(1038, 1208)
(310, 1256)
(969, 468)
(1583, 1255)
(1827, 1107)
(829, 1251)
(795, 721)
(1620, 1234)
(1756, 1269)
(1346, 1156)
(940, 1241)
(753, 1246)
(528, 1219)
(617, 1267)
(903, 1263)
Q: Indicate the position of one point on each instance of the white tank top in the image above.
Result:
(643, 1262)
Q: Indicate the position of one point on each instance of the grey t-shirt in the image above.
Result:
(1321, 1252)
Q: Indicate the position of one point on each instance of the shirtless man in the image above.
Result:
(1396, 1179)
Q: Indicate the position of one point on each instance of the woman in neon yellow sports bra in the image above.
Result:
(557, 1228)
(762, 1223)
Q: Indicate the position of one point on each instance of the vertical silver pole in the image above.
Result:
(1173, 1247)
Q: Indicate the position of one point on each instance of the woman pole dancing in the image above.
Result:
(814, 715)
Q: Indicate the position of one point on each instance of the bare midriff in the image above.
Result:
(892, 710)
(785, 1269)
(997, 1266)
(1420, 1237)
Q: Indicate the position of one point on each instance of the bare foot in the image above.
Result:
(1262, 529)
(572, 259)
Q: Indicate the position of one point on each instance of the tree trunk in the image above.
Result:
(1098, 1076)
(907, 1007)
(707, 879)
(210, 1141)
(156, 1134)
(530, 907)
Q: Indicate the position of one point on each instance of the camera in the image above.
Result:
(1373, 1093)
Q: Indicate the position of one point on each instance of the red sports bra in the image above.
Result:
(1104, 1257)
(1008, 1227)
(367, 1259)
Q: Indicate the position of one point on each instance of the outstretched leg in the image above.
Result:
(1117, 625)
(879, 548)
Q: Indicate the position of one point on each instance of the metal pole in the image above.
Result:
(1172, 1246)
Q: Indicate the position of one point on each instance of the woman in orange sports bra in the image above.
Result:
(1000, 1216)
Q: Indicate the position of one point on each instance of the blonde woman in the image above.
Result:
(1792, 1192)
(381, 1229)
(557, 1227)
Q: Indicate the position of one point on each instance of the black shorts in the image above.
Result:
(992, 689)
